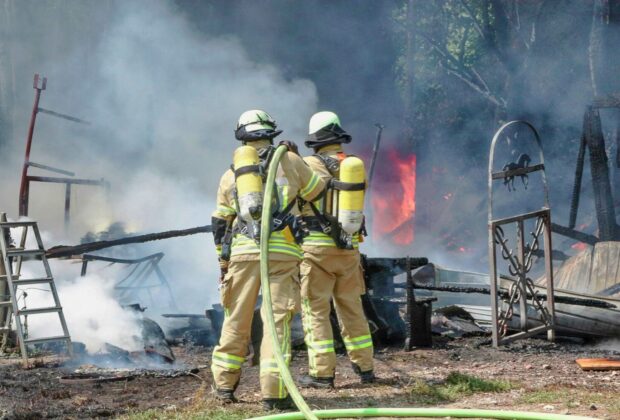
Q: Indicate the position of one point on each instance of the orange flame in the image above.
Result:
(579, 246)
(394, 204)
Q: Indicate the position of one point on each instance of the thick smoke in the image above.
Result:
(164, 81)
(163, 101)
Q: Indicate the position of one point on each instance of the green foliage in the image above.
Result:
(421, 393)
(460, 383)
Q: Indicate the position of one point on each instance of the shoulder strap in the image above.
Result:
(258, 169)
(264, 157)
(330, 163)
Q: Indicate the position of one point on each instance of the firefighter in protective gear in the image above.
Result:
(331, 269)
(238, 252)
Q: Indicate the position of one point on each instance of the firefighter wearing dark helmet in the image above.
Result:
(236, 232)
(331, 268)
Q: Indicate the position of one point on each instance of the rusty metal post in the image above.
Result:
(39, 85)
(67, 206)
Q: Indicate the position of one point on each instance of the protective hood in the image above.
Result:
(267, 133)
(331, 134)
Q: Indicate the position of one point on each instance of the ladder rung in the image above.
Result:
(39, 310)
(45, 339)
(4, 330)
(22, 282)
(29, 253)
(6, 303)
(16, 224)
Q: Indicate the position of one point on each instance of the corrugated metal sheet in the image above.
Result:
(591, 271)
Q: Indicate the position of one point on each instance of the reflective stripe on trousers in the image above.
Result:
(229, 361)
(361, 342)
(339, 277)
(239, 292)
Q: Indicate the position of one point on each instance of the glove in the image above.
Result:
(292, 147)
(223, 270)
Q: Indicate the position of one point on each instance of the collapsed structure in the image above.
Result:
(582, 297)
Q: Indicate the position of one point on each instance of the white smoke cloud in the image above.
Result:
(163, 100)
(95, 317)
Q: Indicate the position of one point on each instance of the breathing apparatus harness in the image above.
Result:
(323, 221)
(282, 220)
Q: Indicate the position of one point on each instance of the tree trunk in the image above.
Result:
(408, 96)
(604, 53)
(513, 53)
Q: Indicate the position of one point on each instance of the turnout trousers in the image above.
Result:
(239, 293)
(337, 274)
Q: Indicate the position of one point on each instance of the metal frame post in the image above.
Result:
(39, 85)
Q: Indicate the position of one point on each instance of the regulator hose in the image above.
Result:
(304, 411)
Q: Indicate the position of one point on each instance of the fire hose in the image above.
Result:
(304, 410)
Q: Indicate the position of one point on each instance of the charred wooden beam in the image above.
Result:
(67, 251)
(505, 295)
(603, 198)
(574, 234)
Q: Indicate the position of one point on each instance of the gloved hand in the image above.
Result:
(291, 145)
(223, 270)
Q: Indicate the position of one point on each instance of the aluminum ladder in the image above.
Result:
(12, 258)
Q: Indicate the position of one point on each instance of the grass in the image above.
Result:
(228, 413)
(455, 386)
(571, 398)
(203, 408)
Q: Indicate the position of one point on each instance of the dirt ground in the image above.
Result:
(542, 376)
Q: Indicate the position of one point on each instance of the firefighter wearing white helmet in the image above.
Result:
(235, 226)
(331, 269)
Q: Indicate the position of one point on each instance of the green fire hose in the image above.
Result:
(264, 280)
(304, 410)
(459, 413)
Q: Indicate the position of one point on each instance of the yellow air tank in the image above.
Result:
(249, 184)
(351, 203)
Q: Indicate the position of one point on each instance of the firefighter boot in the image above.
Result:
(279, 404)
(225, 396)
(367, 377)
(309, 381)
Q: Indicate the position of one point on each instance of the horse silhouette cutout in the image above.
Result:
(521, 163)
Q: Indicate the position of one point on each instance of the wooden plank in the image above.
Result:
(599, 364)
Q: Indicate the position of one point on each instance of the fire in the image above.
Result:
(579, 246)
(394, 203)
